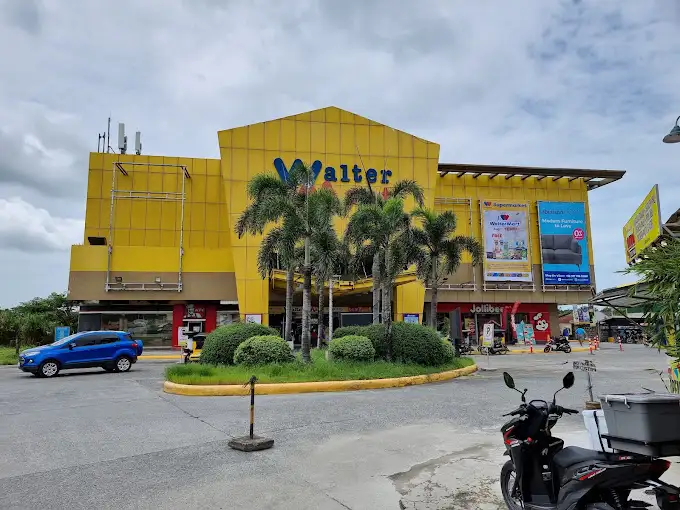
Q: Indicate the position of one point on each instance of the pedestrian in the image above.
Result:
(580, 335)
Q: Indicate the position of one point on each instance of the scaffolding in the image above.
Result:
(117, 194)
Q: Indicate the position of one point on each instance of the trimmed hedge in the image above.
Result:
(221, 344)
(374, 332)
(262, 350)
(352, 348)
(411, 343)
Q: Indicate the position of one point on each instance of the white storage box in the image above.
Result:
(595, 428)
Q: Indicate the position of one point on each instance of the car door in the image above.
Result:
(107, 346)
(83, 350)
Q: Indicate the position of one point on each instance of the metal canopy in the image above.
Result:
(593, 178)
(624, 296)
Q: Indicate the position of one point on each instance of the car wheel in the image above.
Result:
(123, 364)
(48, 368)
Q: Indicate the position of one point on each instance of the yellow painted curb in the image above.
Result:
(540, 351)
(224, 390)
(160, 356)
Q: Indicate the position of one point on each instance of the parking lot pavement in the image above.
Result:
(100, 440)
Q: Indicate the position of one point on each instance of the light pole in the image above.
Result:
(674, 135)
(330, 306)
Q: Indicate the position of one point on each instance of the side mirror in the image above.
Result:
(509, 381)
(568, 380)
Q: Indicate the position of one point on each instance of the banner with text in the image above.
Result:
(564, 243)
(644, 227)
(506, 241)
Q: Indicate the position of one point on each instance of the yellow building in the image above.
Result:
(159, 251)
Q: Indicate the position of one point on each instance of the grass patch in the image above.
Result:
(319, 370)
(8, 356)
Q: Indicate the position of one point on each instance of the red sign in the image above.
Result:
(194, 312)
(578, 234)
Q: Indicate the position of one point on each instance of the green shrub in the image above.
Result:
(221, 344)
(352, 348)
(263, 350)
(448, 353)
(374, 332)
(414, 343)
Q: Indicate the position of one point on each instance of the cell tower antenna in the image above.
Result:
(138, 142)
(122, 139)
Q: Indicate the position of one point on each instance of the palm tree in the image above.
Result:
(385, 226)
(280, 244)
(367, 196)
(437, 252)
(300, 210)
(327, 258)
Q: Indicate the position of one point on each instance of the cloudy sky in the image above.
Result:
(592, 84)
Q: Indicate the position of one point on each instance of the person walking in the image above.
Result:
(580, 335)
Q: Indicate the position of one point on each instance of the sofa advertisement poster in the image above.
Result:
(506, 241)
(564, 243)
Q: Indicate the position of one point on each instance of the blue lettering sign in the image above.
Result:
(347, 174)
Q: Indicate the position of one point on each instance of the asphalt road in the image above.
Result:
(97, 440)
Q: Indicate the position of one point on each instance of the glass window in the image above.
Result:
(150, 328)
(108, 339)
(86, 340)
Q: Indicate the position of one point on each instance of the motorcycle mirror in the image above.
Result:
(509, 381)
(568, 380)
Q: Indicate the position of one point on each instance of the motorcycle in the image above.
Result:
(560, 344)
(543, 474)
(498, 347)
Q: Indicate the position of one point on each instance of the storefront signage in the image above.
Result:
(644, 227)
(254, 318)
(344, 173)
(486, 309)
(564, 243)
(194, 312)
(506, 241)
(61, 332)
(412, 318)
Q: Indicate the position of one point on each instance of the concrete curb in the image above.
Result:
(229, 390)
(176, 357)
(540, 351)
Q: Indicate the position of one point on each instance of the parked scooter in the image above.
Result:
(497, 348)
(544, 475)
(558, 344)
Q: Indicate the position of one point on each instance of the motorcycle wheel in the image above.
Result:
(546, 349)
(507, 483)
(483, 350)
(567, 349)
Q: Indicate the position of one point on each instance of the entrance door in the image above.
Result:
(194, 326)
(484, 318)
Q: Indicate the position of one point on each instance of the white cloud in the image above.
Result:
(27, 228)
(561, 83)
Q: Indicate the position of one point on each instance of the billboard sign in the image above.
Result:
(644, 227)
(506, 241)
(564, 243)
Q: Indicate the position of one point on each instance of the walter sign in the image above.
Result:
(344, 173)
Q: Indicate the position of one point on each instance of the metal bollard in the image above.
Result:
(251, 442)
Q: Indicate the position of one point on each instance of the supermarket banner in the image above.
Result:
(644, 227)
(564, 243)
(506, 241)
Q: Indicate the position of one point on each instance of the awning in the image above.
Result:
(624, 296)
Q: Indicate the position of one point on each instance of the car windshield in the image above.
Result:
(65, 340)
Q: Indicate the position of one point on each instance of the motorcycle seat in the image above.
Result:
(572, 455)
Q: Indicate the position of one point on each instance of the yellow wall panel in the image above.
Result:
(405, 144)
(225, 165)
(333, 115)
(256, 163)
(376, 135)
(239, 165)
(272, 136)
(153, 238)
(137, 237)
(347, 141)
(122, 214)
(172, 183)
(303, 136)
(170, 215)
(318, 136)
(391, 141)
(195, 188)
(239, 137)
(168, 238)
(121, 237)
(212, 240)
(213, 167)
(362, 139)
(224, 138)
(346, 117)
(197, 216)
(212, 217)
(153, 215)
(155, 182)
(195, 238)
(94, 184)
(419, 148)
(333, 138)
(406, 171)
(214, 189)
(93, 213)
(256, 136)
(318, 115)
(287, 135)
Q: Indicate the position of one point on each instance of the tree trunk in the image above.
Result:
(387, 306)
(319, 331)
(290, 275)
(376, 288)
(306, 305)
(434, 289)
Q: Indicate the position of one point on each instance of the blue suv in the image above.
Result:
(114, 351)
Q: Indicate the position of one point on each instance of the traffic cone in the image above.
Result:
(590, 346)
(531, 348)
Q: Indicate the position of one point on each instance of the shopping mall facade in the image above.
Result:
(159, 251)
